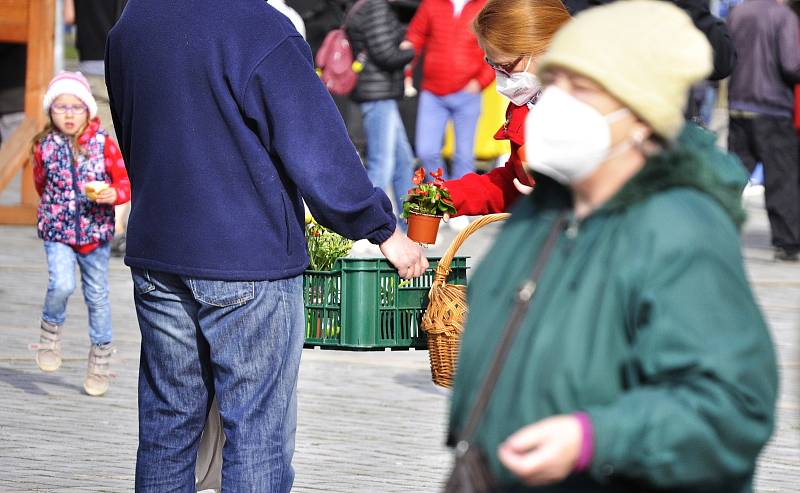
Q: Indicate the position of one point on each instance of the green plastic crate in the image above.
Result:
(358, 304)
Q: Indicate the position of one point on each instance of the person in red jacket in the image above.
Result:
(513, 34)
(453, 76)
(80, 176)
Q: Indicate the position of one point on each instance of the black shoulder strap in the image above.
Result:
(523, 301)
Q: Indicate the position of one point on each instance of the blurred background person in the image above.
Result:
(375, 35)
(699, 10)
(703, 96)
(12, 88)
(93, 20)
(453, 76)
(761, 102)
(321, 17)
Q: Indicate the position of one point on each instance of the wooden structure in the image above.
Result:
(30, 22)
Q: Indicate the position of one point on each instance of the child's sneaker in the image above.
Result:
(97, 374)
(48, 349)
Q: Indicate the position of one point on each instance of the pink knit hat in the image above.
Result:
(70, 83)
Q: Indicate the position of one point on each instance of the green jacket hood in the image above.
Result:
(693, 161)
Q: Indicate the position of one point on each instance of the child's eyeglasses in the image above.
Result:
(504, 68)
(76, 109)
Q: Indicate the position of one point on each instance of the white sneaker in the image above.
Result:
(458, 223)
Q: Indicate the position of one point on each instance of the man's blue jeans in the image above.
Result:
(240, 340)
(434, 111)
(390, 160)
(61, 260)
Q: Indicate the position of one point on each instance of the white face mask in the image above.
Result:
(520, 87)
(565, 138)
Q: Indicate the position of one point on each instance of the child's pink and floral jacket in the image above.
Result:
(65, 214)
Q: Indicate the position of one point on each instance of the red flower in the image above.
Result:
(428, 198)
(419, 176)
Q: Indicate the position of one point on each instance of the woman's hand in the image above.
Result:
(408, 87)
(107, 196)
(544, 452)
(406, 256)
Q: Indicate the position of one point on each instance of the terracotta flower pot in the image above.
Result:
(423, 228)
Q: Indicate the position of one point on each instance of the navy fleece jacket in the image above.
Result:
(224, 125)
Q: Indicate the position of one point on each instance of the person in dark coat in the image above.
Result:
(715, 30)
(94, 19)
(12, 88)
(761, 101)
(375, 34)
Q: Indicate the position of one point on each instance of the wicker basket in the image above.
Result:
(444, 318)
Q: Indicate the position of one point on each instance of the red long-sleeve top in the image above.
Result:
(797, 107)
(494, 191)
(115, 167)
(452, 54)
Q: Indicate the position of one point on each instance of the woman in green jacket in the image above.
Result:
(643, 362)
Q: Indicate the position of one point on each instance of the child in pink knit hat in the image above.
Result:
(80, 176)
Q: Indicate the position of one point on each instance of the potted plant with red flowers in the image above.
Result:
(425, 205)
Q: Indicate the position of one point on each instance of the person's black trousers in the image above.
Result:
(774, 142)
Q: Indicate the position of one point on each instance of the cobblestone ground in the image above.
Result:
(368, 422)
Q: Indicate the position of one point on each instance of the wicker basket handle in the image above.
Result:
(443, 269)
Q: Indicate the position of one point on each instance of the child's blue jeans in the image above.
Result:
(61, 260)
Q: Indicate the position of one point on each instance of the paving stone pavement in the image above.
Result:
(368, 421)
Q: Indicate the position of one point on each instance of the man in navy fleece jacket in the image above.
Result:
(224, 126)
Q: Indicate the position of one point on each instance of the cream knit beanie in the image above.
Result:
(646, 53)
(70, 83)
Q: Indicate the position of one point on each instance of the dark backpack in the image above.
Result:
(335, 61)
